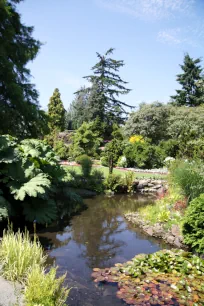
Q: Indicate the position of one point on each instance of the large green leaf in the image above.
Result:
(40, 210)
(32, 188)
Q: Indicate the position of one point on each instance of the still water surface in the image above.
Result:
(97, 237)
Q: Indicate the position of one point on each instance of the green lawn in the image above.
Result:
(121, 172)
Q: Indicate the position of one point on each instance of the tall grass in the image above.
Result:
(18, 255)
(189, 176)
(45, 289)
(23, 260)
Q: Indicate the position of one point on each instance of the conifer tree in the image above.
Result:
(190, 94)
(19, 106)
(107, 86)
(56, 112)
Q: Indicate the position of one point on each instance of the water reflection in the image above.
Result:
(98, 237)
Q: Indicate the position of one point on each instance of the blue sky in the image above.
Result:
(151, 36)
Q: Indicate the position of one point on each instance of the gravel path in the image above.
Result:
(10, 293)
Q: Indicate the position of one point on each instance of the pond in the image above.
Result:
(97, 237)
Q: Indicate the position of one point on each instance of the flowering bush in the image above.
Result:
(136, 138)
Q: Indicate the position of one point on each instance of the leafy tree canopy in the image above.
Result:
(191, 94)
(18, 97)
(149, 121)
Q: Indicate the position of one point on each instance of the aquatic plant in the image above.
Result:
(164, 278)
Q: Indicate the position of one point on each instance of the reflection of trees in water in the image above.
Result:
(123, 203)
(56, 235)
(96, 229)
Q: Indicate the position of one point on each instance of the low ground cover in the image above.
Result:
(164, 278)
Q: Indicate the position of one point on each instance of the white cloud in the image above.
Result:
(191, 35)
(149, 9)
(170, 36)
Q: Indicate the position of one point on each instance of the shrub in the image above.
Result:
(128, 180)
(113, 182)
(136, 138)
(86, 164)
(113, 150)
(31, 180)
(85, 141)
(193, 149)
(104, 160)
(122, 162)
(45, 289)
(189, 176)
(143, 155)
(193, 226)
(95, 181)
(170, 147)
(18, 255)
(61, 149)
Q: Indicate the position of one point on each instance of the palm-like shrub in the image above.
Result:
(30, 180)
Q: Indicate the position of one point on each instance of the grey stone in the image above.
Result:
(149, 231)
(150, 185)
(170, 239)
(158, 230)
(177, 242)
(175, 230)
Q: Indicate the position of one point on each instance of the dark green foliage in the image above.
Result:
(56, 112)
(78, 111)
(189, 177)
(85, 141)
(151, 121)
(31, 180)
(61, 149)
(86, 164)
(190, 94)
(193, 226)
(95, 181)
(185, 123)
(144, 155)
(194, 149)
(106, 88)
(113, 150)
(113, 182)
(19, 109)
(170, 147)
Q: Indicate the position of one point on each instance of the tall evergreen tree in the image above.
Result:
(56, 112)
(20, 111)
(78, 111)
(190, 94)
(106, 88)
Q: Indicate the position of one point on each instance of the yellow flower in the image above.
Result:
(136, 138)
